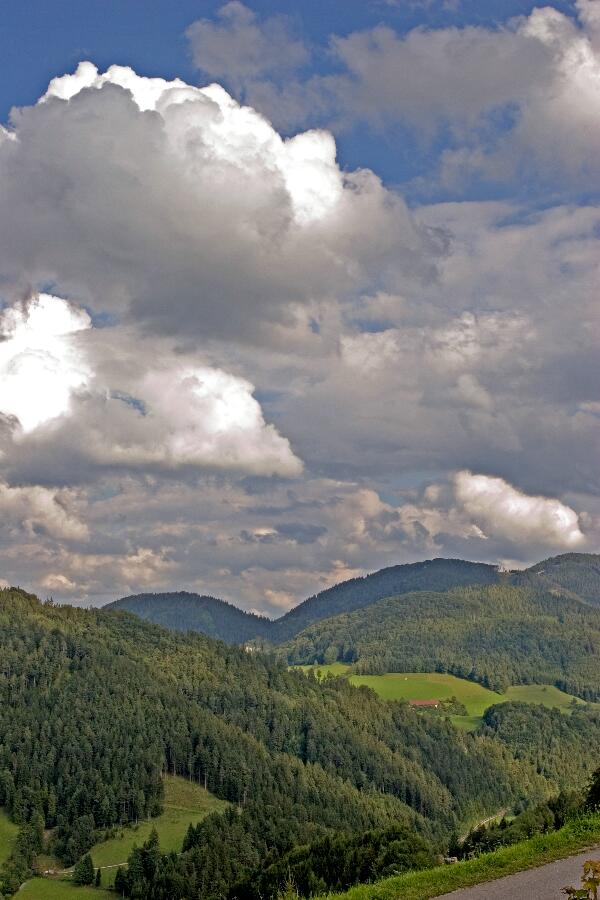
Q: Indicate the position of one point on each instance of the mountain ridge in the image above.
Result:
(574, 574)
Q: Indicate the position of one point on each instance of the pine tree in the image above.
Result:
(120, 882)
(83, 873)
(593, 796)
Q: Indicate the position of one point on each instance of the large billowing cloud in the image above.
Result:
(177, 208)
(228, 365)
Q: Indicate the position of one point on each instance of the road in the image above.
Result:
(544, 883)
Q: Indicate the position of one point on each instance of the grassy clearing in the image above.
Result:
(8, 832)
(544, 694)
(47, 889)
(430, 686)
(185, 803)
(326, 669)
(439, 686)
(537, 851)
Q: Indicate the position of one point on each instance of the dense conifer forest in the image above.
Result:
(96, 706)
(326, 783)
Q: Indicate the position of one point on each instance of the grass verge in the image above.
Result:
(544, 848)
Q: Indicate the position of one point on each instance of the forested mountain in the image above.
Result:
(430, 575)
(563, 748)
(573, 574)
(498, 635)
(95, 705)
(183, 611)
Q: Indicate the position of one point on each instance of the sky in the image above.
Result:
(293, 291)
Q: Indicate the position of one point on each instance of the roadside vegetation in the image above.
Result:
(576, 835)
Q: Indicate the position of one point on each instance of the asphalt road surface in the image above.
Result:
(544, 883)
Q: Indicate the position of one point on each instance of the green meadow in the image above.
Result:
(185, 803)
(439, 686)
(8, 832)
(59, 889)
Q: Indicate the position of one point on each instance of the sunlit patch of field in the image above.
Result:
(440, 686)
(61, 889)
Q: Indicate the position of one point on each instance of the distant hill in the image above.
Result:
(575, 574)
(430, 575)
(497, 635)
(183, 611)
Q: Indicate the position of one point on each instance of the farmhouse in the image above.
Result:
(432, 704)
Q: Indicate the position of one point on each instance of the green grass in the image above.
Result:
(185, 803)
(544, 694)
(326, 669)
(537, 851)
(58, 889)
(439, 686)
(8, 832)
(430, 686)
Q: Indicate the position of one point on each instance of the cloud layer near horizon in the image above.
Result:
(229, 365)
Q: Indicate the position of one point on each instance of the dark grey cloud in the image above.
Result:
(301, 533)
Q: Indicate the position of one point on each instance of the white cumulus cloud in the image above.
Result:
(172, 205)
(144, 406)
(40, 364)
(506, 512)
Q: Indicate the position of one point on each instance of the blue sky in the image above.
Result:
(39, 40)
(335, 311)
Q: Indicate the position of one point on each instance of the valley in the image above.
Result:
(185, 804)
(206, 768)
